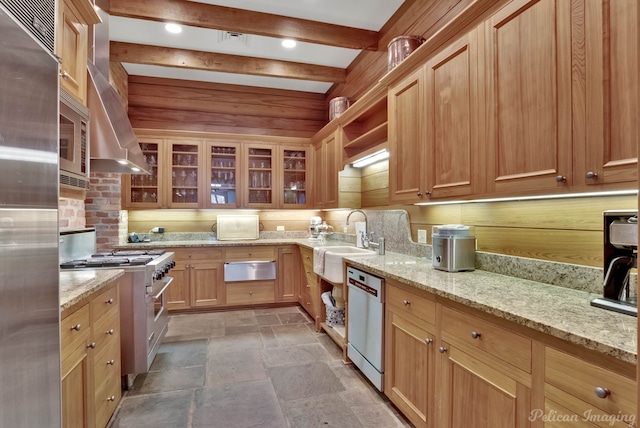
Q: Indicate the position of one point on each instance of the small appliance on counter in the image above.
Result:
(454, 247)
(620, 258)
(314, 233)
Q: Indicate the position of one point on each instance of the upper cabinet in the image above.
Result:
(259, 175)
(72, 40)
(296, 168)
(327, 161)
(528, 97)
(184, 174)
(222, 181)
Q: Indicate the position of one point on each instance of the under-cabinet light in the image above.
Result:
(536, 197)
(372, 158)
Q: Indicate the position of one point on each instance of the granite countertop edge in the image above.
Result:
(557, 311)
(76, 286)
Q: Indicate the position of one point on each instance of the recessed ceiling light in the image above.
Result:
(289, 43)
(173, 28)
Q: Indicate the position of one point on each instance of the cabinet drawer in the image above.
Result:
(497, 341)
(250, 292)
(250, 253)
(104, 302)
(72, 355)
(187, 254)
(107, 330)
(107, 398)
(106, 365)
(580, 379)
(406, 302)
(75, 328)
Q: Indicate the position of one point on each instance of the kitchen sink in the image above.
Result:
(333, 270)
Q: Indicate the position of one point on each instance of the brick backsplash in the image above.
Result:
(71, 214)
(102, 206)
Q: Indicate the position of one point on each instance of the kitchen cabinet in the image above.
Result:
(145, 190)
(222, 183)
(327, 161)
(254, 291)
(410, 353)
(198, 279)
(310, 294)
(295, 164)
(528, 97)
(606, 83)
(72, 40)
(185, 173)
(288, 277)
(259, 174)
(90, 355)
(595, 395)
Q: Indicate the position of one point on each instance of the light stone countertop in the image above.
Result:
(558, 311)
(77, 285)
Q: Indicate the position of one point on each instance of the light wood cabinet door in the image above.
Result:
(260, 175)
(607, 84)
(71, 47)
(407, 181)
(476, 394)
(295, 170)
(207, 283)
(327, 159)
(178, 294)
(288, 278)
(528, 92)
(409, 366)
(184, 176)
(309, 295)
(222, 182)
(145, 190)
(76, 394)
(453, 132)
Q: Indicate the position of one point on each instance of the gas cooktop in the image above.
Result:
(114, 259)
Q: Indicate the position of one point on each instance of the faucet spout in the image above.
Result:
(366, 226)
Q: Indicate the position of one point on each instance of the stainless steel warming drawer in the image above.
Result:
(249, 271)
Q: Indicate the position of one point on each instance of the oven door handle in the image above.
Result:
(157, 291)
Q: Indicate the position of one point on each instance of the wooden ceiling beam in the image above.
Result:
(245, 21)
(210, 61)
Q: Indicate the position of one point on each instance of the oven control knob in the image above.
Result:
(166, 269)
(173, 264)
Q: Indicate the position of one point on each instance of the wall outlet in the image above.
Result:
(280, 228)
(422, 236)
(158, 230)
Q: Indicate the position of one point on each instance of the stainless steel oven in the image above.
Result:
(143, 312)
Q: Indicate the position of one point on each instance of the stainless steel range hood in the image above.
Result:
(114, 146)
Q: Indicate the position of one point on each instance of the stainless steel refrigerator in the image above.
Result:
(29, 301)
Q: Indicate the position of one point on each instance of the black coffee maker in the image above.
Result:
(620, 257)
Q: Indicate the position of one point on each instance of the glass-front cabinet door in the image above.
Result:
(222, 184)
(184, 157)
(295, 164)
(259, 176)
(144, 189)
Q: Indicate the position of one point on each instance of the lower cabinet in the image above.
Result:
(90, 353)
(310, 294)
(198, 278)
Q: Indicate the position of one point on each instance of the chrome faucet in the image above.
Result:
(366, 226)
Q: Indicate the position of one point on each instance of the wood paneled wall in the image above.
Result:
(564, 230)
(156, 103)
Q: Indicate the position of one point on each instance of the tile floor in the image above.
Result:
(265, 368)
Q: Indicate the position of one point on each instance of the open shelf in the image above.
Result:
(337, 334)
(365, 128)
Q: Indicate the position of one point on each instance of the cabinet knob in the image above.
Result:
(602, 392)
(406, 302)
(561, 178)
(76, 327)
(428, 341)
(419, 193)
(251, 293)
(110, 331)
(308, 258)
(475, 335)
(64, 74)
(111, 362)
(92, 345)
(112, 398)
(309, 303)
(592, 175)
(308, 285)
(109, 301)
(442, 349)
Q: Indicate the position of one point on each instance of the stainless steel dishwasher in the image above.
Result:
(365, 324)
(249, 271)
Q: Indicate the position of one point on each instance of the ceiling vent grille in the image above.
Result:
(225, 36)
(38, 16)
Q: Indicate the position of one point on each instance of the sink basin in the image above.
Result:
(333, 270)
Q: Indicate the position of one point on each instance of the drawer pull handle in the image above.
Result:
(602, 392)
(442, 349)
(92, 345)
(76, 327)
(110, 331)
(428, 341)
(406, 302)
(309, 303)
(112, 398)
(475, 335)
(308, 258)
(111, 362)
(251, 293)
(109, 301)
(308, 285)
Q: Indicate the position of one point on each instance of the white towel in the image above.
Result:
(318, 260)
(361, 227)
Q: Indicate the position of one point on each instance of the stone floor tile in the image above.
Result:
(247, 404)
(236, 367)
(334, 351)
(166, 410)
(239, 318)
(182, 354)
(234, 343)
(268, 337)
(269, 311)
(302, 381)
(293, 318)
(322, 411)
(169, 380)
(268, 319)
(300, 354)
(294, 334)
